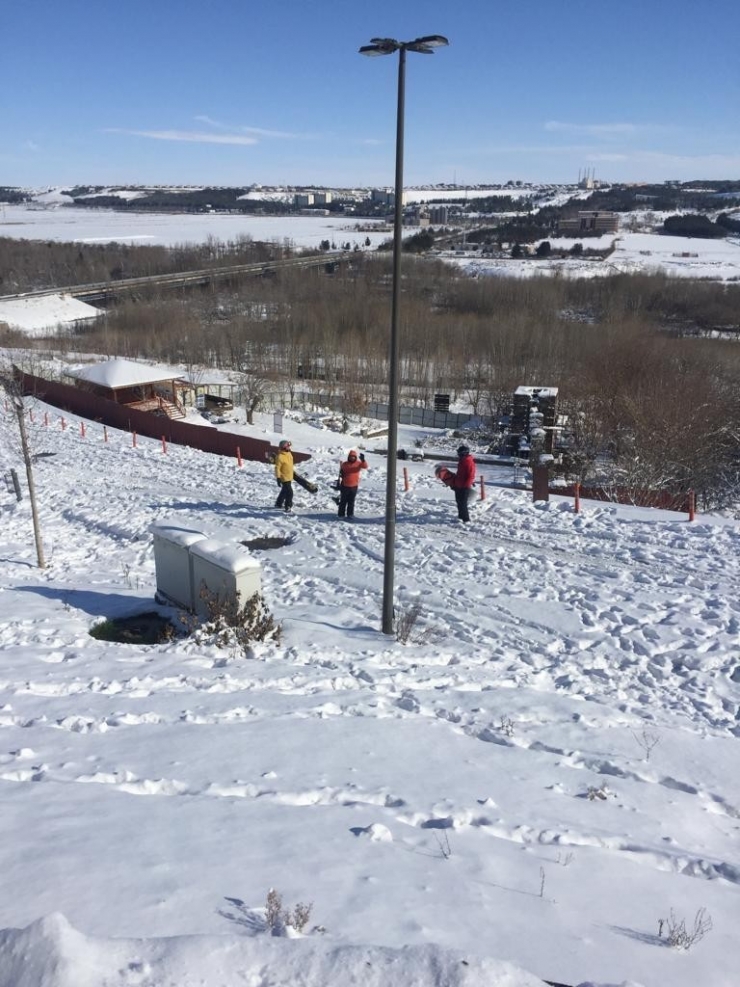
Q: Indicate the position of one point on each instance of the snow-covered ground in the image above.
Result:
(677, 256)
(86, 225)
(36, 316)
(538, 780)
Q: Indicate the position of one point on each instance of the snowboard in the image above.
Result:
(446, 476)
(303, 482)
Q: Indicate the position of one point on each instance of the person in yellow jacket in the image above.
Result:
(284, 476)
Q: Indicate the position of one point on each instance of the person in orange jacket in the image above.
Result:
(349, 480)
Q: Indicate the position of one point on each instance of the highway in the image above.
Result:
(104, 289)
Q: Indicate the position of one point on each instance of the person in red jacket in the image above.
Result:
(349, 480)
(463, 481)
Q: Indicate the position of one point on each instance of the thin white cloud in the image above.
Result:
(259, 131)
(189, 136)
(602, 156)
(594, 129)
(727, 163)
(372, 141)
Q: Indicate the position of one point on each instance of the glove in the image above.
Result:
(362, 457)
(279, 482)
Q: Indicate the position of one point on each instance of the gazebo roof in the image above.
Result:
(115, 374)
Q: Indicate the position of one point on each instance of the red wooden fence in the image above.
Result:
(204, 437)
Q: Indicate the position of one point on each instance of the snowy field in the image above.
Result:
(716, 260)
(545, 784)
(652, 253)
(64, 224)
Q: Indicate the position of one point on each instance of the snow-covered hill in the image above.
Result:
(545, 776)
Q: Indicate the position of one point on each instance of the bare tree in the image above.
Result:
(15, 395)
(252, 391)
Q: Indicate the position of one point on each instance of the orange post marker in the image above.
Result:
(482, 489)
(692, 505)
(164, 444)
(578, 498)
(238, 456)
(405, 478)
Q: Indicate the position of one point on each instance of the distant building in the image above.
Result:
(418, 216)
(303, 199)
(322, 198)
(382, 196)
(439, 215)
(591, 223)
(588, 179)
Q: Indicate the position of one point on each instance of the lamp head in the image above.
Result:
(380, 46)
(386, 46)
(427, 44)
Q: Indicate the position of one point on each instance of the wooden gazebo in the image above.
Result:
(143, 386)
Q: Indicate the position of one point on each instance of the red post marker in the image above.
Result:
(105, 434)
(133, 439)
(578, 498)
(482, 489)
(82, 429)
(164, 444)
(692, 505)
(405, 478)
(238, 457)
(64, 424)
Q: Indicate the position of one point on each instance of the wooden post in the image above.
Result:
(540, 483)
(238, 457)
(16, 485)
(30, 415)
(31, 486)
(164, 444)
(133, 439)
(105, 433)
(82, 429)
(64, 424)
(405, 478)
(692, 505)
(46, 418)
(482, 489)
(578, 498)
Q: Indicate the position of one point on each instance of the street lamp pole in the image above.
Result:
(386, 46)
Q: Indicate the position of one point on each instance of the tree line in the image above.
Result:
(646, 366)
(27, 265)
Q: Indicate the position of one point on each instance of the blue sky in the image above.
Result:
(275, 92)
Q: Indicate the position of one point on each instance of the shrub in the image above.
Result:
(407, 630)
(230, 622)
(277, 918)
(678, 936)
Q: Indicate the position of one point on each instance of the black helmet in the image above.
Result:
(463, 450)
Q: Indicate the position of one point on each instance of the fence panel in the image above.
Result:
(68, 397)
